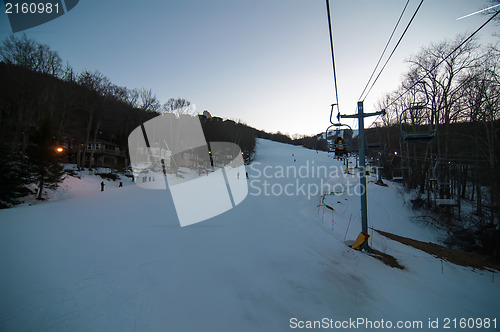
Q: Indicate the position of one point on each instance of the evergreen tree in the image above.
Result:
(43, 158)
(14, 177)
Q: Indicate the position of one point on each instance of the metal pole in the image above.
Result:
(362, 179)
(379, 168)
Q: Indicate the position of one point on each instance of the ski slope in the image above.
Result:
(119, 261)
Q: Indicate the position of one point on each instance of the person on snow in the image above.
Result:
(102, 185)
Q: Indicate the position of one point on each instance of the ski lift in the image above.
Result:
(374, 145)
(444, 187)
(397, 174)
(418, 124)
(343, 134)
(398, 169)
(449, 203)
(339, 138)
(373, 140)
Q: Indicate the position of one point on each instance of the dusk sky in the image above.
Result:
(264, 62)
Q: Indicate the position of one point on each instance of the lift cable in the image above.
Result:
(333, 57)
(395, 47)
(385, 49)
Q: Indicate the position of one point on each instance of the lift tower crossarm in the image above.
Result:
(362, 181)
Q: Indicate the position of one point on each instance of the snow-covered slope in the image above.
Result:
(119, 261)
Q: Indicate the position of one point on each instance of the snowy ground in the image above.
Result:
(119, 261)
(83, 183)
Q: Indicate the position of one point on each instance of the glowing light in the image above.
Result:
(59, 149)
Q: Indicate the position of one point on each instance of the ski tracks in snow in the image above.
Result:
(120, 298)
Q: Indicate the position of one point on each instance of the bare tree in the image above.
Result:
(69, 74)
(179, 106)
(493, 11)
(482, 97)
(439, 70)
(145, 100)
(31, 55)
(94, 81)
(97, 87)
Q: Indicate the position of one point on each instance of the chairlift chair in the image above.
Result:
(397, 174)
(397, 171)
(442, 184)
(341, 143)
(340, 146)
(374, 142)
(375, 145)
(418, 124)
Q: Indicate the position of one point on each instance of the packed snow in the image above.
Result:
(118, 260)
